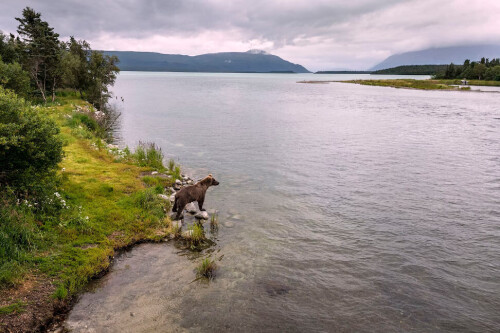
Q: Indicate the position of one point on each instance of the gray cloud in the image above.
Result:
(318, 34)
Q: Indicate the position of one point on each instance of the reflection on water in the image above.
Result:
(342, 208)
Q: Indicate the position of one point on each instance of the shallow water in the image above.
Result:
(342, 208)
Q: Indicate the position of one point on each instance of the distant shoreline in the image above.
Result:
(451, 85)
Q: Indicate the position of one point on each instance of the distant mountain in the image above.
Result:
(253, 61)
(440, 56)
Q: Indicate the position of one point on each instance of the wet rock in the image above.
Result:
(173, 215)
(275, 288)
(191, 208)
(236, 217)
(163, 197)
(202, 215)
(176, 224)
(229, 224)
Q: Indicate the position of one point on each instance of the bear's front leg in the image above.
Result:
(200, 203)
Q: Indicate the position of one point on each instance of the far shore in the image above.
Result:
(430, 84)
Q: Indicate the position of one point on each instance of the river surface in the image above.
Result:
(342, 208)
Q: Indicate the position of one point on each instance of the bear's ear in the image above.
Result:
(210, 175)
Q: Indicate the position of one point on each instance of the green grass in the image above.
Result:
(16, 307)
(106, 204)
(405, 83)
(207, 268)
(196, 235)
(423, 84)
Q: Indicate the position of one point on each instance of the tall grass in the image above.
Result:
(196, 235)
(148, 154)
(17, 240)
(207, 268)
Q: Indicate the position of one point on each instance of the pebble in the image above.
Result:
(163, 196)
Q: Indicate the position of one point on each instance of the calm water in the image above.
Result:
(343, 208)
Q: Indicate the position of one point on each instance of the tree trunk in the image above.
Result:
(54, 90)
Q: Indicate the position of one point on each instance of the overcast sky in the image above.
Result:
(319, 34)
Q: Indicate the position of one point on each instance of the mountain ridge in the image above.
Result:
(440, 56)
(254, 61)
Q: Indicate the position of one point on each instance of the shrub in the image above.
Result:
(29, 143)
(13, 77)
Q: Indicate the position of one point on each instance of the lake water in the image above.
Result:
(343, 208)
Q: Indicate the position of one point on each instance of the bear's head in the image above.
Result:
(209, 181)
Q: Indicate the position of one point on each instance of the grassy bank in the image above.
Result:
(408, 83)
(417, 84)
(105, 199)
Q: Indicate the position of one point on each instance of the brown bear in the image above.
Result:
(192, 193)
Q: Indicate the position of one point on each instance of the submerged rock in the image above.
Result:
(202, 215)
(275, 288)
(229, 224)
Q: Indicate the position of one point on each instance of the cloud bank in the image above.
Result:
(318, 34)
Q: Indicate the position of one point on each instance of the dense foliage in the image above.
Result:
(485, 69)
(50, 64)
(29, 143)
(412, 70)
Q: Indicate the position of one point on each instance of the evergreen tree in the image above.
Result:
(41, 51)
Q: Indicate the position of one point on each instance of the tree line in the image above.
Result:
(36, 63)
(485, 69)
(411, 70)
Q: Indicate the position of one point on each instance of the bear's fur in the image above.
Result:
(192, 193)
